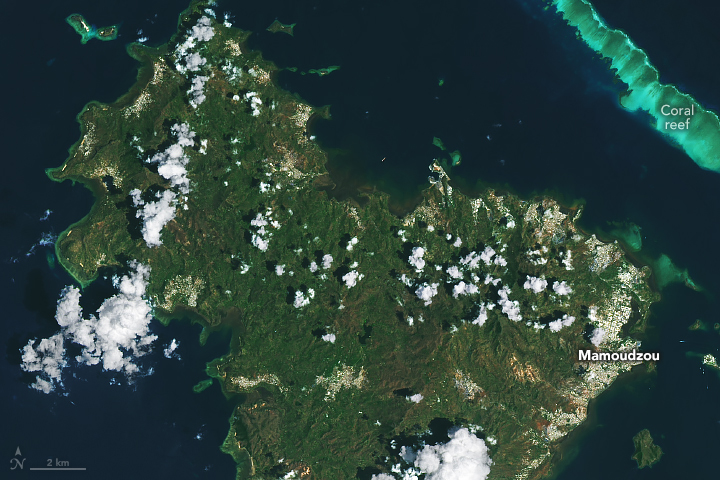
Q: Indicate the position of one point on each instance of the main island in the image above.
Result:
(356, 333)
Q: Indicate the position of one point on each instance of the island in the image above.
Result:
(278, 27)
(356, 331)
(87, 32)
(646, 453)
(455, 156)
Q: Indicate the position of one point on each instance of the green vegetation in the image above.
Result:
(327, 353)
(202, 385)
(321, 72)
(277, 27)
(87, 32)
(646, 453)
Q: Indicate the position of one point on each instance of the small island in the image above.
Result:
(278, 27)
(88, 32)
(646, 453)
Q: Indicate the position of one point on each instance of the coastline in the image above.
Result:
(88, 184)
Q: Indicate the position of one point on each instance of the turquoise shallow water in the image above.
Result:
(511, 71)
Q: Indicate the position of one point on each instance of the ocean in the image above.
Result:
(531, 109)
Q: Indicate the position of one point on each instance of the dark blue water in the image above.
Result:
(506, 63)
(679, 37)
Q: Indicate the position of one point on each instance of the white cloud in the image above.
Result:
(172, 162)
(260, 242)
(499, 260)
(537, 285)
(457, 243)
(353, 241)
(313, 267)
(598, 336)
(194, 61)
(326, 261)
(382, 476)
(463, 288)
(115, 336)
(471, 260)
(465, 456)
(408, 454)
(427, 292)
(197, 90)
(482, 316)
(202, 31)
(48, 358)
(416, 259)
(329, 337)
(454, 272)
(351, 278)
(511, 308)
(301, 300)
(122, 322)
(279, 270)
(558, 324)
(416, 398)
(486, 255)
(136, 196)
(168, 351)
(562, 288)
(255, 102)
(155, 215)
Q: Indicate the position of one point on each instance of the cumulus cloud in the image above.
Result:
(301, 300)
(261, 239)
(565, 321)
(416, 398)
(173, 161)
(382, 476)
(465, 456)
(426, 292)
(168, 351)
(598, 336)
(48, 358)
(482, 316)
(463, 288)
(454, 272)
(537, 285)
(326, 261)
(351, 244)
(194, 61)
(121, 326)
(472, 260)
(202, 31)
(255, 103)
(351, 278)
(330, 337)
(260, 242)
(457, 243)
(416, 259)
(487, 254)
(197, 90)
(115, 336)
(155, 215)
(511, 308)
(562, 288)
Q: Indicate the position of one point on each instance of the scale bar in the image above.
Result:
(59, 468)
